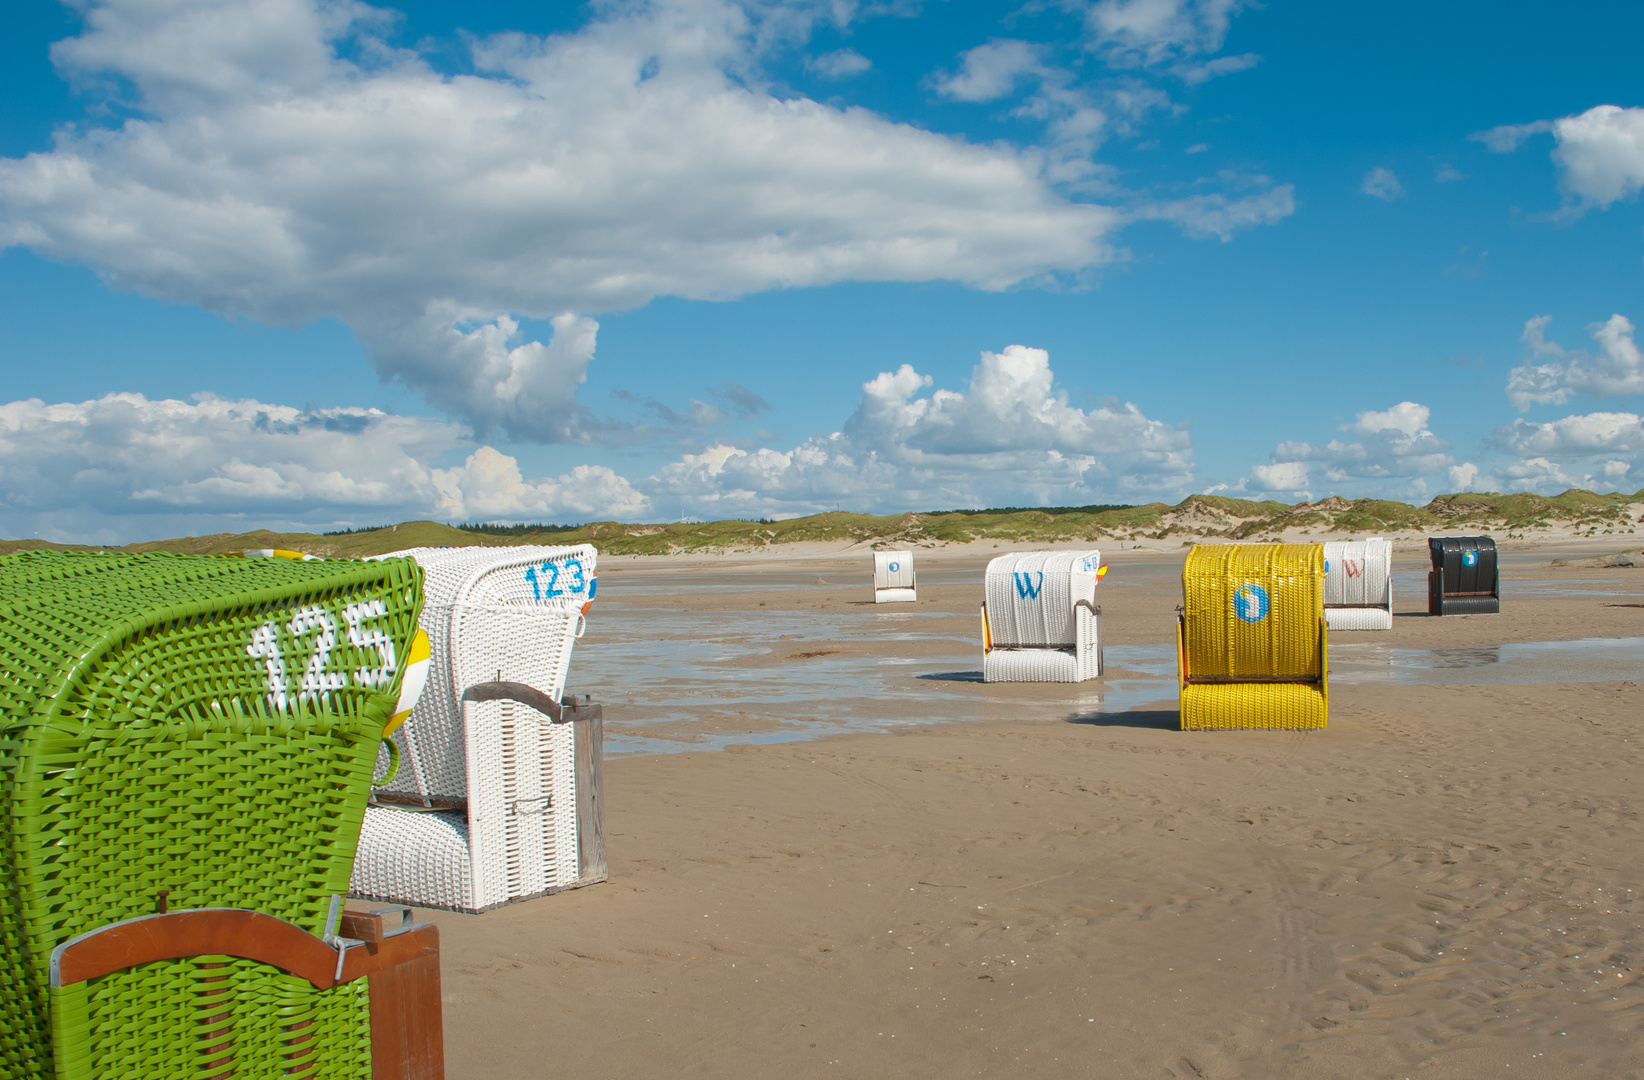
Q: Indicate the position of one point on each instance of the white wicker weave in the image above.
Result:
(1039, 619)
(893, 578)
(424, 855)
(492, 614)
(1358, 584)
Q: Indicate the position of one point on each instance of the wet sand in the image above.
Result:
(1049, 881)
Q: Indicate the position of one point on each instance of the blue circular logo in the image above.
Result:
(1250, 603)
(1327, 566)
(1469, 558)
(893, 567)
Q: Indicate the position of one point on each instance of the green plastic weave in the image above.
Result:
(296, 1030)
(143, 747)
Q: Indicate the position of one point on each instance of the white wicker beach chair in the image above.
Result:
(893, 578)
(497, 796)
(1358, 584)
(1040, 622)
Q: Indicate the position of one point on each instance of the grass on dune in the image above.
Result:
(1197, 516)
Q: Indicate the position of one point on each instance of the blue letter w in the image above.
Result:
(1026, 587)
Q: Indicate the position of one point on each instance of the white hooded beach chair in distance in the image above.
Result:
(1040, 622)
(1358, 584)
(893, 578)
(498, 795)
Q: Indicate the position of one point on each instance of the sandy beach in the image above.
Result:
(835, 853)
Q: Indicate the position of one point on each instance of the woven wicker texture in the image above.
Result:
(893, 578)
(1358, 584)
(204, 726)
(1030, 595)
(1367, 618)
(1252, 641)
(1039, 619)
(1077, 664)
(1466, 576)
(1469, 605)
(404, 853)
(255, 1021)
(493, 613)
(1253, 610)
(1236, 706)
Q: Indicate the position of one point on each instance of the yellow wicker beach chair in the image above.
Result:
(1250, 643)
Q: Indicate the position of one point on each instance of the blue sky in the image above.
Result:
(308, 264)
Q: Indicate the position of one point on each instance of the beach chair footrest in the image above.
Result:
(1235, 706)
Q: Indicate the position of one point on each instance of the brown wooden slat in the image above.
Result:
(367, 960)
(201, 932)
(502, 690)
(588, 744)
(407, 1028)
(361, 926)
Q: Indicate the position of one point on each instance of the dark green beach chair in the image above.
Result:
(181, 733)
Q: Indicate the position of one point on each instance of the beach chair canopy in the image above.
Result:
(1251, 639)
(1358, 584)
(485, 810)
(893, 570)
(184, 732)
(1466, 576)
(893, 577)
(1040, 622)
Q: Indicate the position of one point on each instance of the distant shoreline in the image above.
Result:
(1522, 516)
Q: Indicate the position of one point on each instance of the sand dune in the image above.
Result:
(1442, 884)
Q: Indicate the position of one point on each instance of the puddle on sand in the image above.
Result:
(1584, 660)
(1408, 584)
(676, 680)
(1367, 663)
(649, 583)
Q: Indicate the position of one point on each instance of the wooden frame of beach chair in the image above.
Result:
(1040, 622)
(189, 732)
(1358, 584)
(1251, 642)
(399, 960)
(500, 799)
(1466, 576)
(893, 578)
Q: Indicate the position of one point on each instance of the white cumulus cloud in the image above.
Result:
(1394, 453)
(1599, 153)
(1506, 138)
(1597, 451)
(1549, 477)
(1290, 477)
(1601, 434)
(1011, 438)
(489, 486)
(124, 467)
(1382, 183)
(1616, 368)
(1462, 476)
(1221, 215)
(839, 64)
(281, 162)
(1141, 32)
(1193, 74)
(1602, 153)
(991, 71)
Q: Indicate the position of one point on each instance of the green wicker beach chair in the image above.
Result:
(183, 732)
